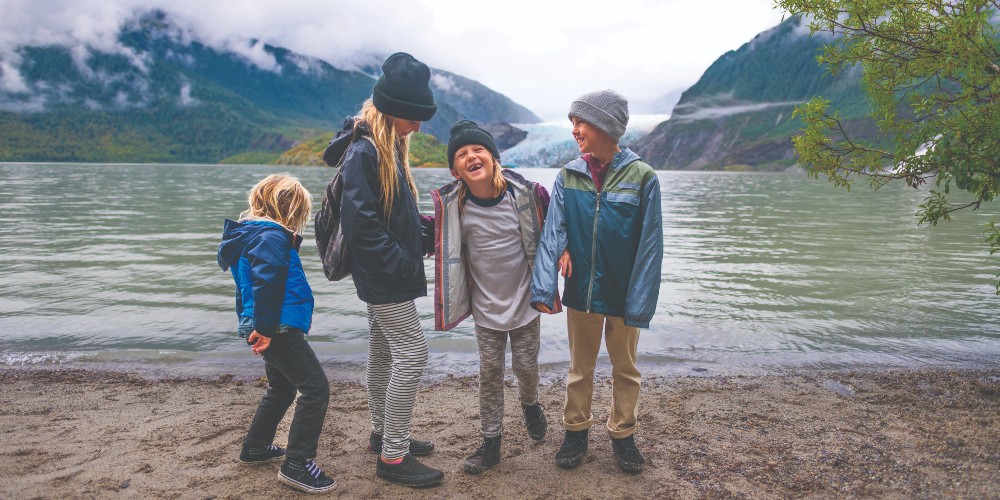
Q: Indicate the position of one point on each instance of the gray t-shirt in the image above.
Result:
(501, 299)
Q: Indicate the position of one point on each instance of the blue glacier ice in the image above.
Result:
(551, 144)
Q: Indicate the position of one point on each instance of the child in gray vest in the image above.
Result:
(487, 225)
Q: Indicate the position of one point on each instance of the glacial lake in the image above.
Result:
(113, 266)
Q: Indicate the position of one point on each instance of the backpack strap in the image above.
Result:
(333, 250)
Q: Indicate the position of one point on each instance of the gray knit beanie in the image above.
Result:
(604, 109)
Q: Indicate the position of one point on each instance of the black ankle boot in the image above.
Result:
(573, 449)
(485, 457)
(534, 420)
(627, 455)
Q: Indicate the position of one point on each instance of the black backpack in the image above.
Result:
(329, 235)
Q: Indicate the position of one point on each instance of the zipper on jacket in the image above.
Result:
(593, 252)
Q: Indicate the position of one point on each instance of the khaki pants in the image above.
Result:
(584, 344)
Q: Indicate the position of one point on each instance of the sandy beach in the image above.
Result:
(884, 434)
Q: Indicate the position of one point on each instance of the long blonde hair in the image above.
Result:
(499, 185)
(279, 198)
(390, 147)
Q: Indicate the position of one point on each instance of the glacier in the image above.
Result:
(551, 144)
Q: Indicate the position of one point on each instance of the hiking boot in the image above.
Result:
(305, 476)
(417, 448)
(259, 455)
(534, 420)
(485, 457)
(627, 455)
(409, 472)
(573, 449)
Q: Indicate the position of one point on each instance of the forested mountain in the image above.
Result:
(739, 113)
(163, 96)
(477, 102)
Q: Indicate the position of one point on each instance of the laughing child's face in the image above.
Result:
(474, 165)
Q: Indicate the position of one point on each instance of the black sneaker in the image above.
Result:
(627, 455)
(409, 472)
(573, 449)
(304, 475)
(534, 420)
(417, 448)
(259, 455)
(485, 457)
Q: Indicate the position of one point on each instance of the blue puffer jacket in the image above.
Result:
(386, 255)
(614, 237)
(271, 287)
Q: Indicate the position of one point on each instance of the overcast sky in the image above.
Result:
(541, 53)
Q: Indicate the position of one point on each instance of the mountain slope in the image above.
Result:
(740, 110)
(163, 96)
(477, 102)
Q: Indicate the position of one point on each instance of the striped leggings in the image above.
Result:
(397, 355)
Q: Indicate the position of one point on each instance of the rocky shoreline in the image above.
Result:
(884, 434)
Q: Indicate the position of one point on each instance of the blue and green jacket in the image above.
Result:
(614, 237)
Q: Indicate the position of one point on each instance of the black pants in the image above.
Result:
(291, 365)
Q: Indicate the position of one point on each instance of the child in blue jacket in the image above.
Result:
(274, 305)
(604, 232)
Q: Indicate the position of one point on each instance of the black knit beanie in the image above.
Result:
(403, 90)
(466, 132)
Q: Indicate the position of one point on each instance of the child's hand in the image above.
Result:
(565, 265)
(542, 307)
(427, 234)
(258, 342)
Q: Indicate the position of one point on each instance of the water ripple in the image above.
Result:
(116, 263)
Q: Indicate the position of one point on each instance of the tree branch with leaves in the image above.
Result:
(932, 72)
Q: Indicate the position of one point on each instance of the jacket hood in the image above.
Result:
(338, 146)
(236, 235)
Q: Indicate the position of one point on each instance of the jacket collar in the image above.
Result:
(513, 178)
(516, 179)
(621, 158)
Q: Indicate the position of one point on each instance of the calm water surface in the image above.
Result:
(114, 265)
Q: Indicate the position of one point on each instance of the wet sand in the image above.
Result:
(884, 434)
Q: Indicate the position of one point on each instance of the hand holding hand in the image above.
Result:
(259, 343)
(542, 307)
(427, 235)
(565, 265)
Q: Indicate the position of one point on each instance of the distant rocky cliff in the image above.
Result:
(739, 114)
(505, 135)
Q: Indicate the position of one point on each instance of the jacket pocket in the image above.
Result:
(626, 198)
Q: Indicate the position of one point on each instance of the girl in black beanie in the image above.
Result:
(386, 238)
